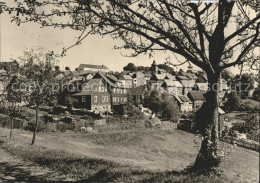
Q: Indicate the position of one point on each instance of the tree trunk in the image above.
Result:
(208, 122)
(36, 126)
(12, 126)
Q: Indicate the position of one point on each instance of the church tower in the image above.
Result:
(154, 68)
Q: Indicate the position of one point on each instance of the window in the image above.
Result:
(118, 90)
(114, 90)
(122, 99)
(118, 100)
(125, 99)
(102, 89)
(95, 98)
(84, 99)
(121, 91)
(99, 89)
(125, 91)
(114, 99)
(103, 99)
(106, 98)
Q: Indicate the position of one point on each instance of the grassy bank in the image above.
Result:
(83, 169)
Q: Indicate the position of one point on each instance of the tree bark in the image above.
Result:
(36, 126)
(12, 126)
(207, 121)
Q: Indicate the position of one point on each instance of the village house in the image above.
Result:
(191, 76)
(93, 68)
(156, 81)
(188, 85)
(94, 96)
(184, 103)
(196, 98)
(138, 79)
(147, 76)
(202, 87)
(118, 93)
(202, 78)
(126, 80)
(172, 87)
(180, 78)
(137, 94)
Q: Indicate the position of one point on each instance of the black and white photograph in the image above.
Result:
(129, 91)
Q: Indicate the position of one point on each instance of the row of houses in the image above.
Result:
(99, 90)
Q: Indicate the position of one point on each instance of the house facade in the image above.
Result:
(94, 96)
(138, 79)
(196, 98)
(184, 103)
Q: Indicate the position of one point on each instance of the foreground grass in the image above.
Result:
(83, 169)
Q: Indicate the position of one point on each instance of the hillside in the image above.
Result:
(141, 154)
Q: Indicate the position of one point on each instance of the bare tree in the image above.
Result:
(212, 36)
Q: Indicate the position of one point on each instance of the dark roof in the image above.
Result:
(82, 66)
(183, 78)
(184, 98)
(100, 75)
(89, 87)
(191, 76)
(196, 95)
(188, 83)
(137, 91)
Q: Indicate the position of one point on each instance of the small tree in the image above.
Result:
(37, 73)
(14, 96)
(256, 95)
(247, 84)
(233, 102)
(170, 109)
(153, 101)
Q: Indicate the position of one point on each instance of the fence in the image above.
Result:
(50, 126)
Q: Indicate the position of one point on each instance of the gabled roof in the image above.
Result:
(188, 83)
(191, 76)
(183, 78)
(127, 77)
(159, 76)
(100, 75)
(182, 99)
(112, 78)
(171, 77)
(137, 91)
(171, 83)
(83, 66)
(147, 74)
(196, 95)
(89, 87)
(202, 86)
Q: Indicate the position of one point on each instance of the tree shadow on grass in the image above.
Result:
(17, 172)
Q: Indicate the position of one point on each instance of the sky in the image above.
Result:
(93, 50)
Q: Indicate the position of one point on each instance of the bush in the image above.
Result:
(248, 105)
(256, 95)
(233, 102)
(170, 109)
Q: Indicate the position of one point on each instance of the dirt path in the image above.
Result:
(13, 169)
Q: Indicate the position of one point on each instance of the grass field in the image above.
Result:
(126, 155)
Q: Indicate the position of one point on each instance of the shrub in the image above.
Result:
(233, 102)
(248, 105)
